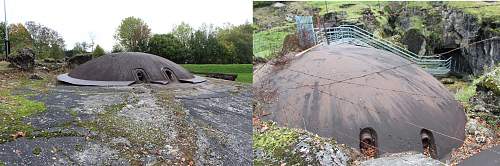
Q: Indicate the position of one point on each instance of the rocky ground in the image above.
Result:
(275, 145)
(481, 99)
(143, 124)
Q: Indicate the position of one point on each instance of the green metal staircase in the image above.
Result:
(352, 34)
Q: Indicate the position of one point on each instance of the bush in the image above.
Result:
(464, 94)
(167, 46)
(98, 51)
(258, 4)
(491, 80)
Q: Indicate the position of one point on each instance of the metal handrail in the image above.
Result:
(369, 33)
(385, 45)
(432, 63)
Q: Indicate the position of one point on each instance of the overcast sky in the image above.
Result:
(75, 20)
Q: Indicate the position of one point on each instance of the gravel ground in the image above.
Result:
(144, 124)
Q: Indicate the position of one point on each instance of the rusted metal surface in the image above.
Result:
(335, 91)
(121, 68)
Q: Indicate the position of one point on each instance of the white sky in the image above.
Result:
(75, 20)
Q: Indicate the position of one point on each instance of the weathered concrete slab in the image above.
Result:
(176, 124)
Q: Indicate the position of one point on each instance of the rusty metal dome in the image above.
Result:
(356, 94)
(125, 68)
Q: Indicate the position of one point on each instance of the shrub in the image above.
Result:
(98, 51)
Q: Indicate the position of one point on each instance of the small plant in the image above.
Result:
(79, 147)
(464, 94)
(37, 150)
(275, 140)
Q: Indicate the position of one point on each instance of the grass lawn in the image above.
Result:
(244, 71)
(482, 10)
(268, 42)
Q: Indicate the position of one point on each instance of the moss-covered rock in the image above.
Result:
(491, 81)
(275, 145)
(415, 41)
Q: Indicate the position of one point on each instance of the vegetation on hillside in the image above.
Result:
(383, 18)
(269, 42)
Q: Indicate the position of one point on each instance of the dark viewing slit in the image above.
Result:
(169, 74)
(141, 76)
(428, 143)
(368, 142)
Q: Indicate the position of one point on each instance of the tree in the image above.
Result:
(19, 37)
(197, 44)
(183, 32)
(117, 48)
(80, 48)
(133, 34)
(237, 41)
(98, 51)
(167, 46)
(46, 42)
(2, 37)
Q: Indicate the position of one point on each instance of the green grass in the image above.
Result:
(267, 43)
(353, 12)
(480, 9)
(416, 22)
(419, 5)
(13, 109)
(466, 93)
(244, 71)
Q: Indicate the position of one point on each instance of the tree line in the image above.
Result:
(184, 44)
(45, 42)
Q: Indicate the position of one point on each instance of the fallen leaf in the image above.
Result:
(18, 134)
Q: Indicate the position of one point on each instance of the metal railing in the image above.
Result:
(354, 35)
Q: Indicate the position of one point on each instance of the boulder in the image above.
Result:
(23, 59)
(461, 29)
(289, 146)
(491, 81)
(415, 41)
(278, 5)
